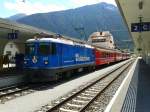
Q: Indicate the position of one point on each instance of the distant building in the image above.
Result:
(102, 39)
(10, 49)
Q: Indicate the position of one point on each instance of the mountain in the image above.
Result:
(16, 17)
(90, 18)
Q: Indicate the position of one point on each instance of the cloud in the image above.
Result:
(79, 3)
(31, 8)
(109, 1)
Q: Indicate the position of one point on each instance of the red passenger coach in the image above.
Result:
(104, 56)
(118, 56)
(125, 56)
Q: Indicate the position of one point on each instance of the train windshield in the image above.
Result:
(30, 49)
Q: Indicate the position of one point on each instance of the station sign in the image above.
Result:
(140, 27)
(12, 35)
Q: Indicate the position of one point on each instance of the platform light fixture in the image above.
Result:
(140, 4)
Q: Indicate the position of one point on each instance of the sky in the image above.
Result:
(12, 7)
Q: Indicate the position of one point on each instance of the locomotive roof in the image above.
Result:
(108, 50)
(71, 42)
(59, 40)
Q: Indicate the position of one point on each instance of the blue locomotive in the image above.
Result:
(49, 59)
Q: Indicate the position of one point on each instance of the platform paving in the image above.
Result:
(138, 95)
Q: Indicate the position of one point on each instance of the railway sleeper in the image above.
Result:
(79, 101)
(86, 98)
(91, 92)
(74, 105)
(86, 94)
(94, 89)
(67, 110)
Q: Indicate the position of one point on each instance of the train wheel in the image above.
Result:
(68, 74)
(88, 69)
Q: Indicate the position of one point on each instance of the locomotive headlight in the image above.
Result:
(46, 62)
(25, 62)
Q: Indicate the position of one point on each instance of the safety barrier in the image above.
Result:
(1, 62)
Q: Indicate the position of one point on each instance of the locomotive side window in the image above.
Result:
(53, 48)
(29, 49)
(47, 49)
(44, 49)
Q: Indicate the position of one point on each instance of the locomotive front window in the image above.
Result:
(29, 49)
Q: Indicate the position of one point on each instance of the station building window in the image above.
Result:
(11, 45)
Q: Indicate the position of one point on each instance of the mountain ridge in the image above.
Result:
(92, 18)
(16, 17)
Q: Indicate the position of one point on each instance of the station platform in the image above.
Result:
(133, 94)
(138, 95)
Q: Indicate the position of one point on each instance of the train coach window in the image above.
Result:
(104, 55)
(107, 55)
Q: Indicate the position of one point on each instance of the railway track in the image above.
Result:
(84, 99)
(12, 92)
(15, 91)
